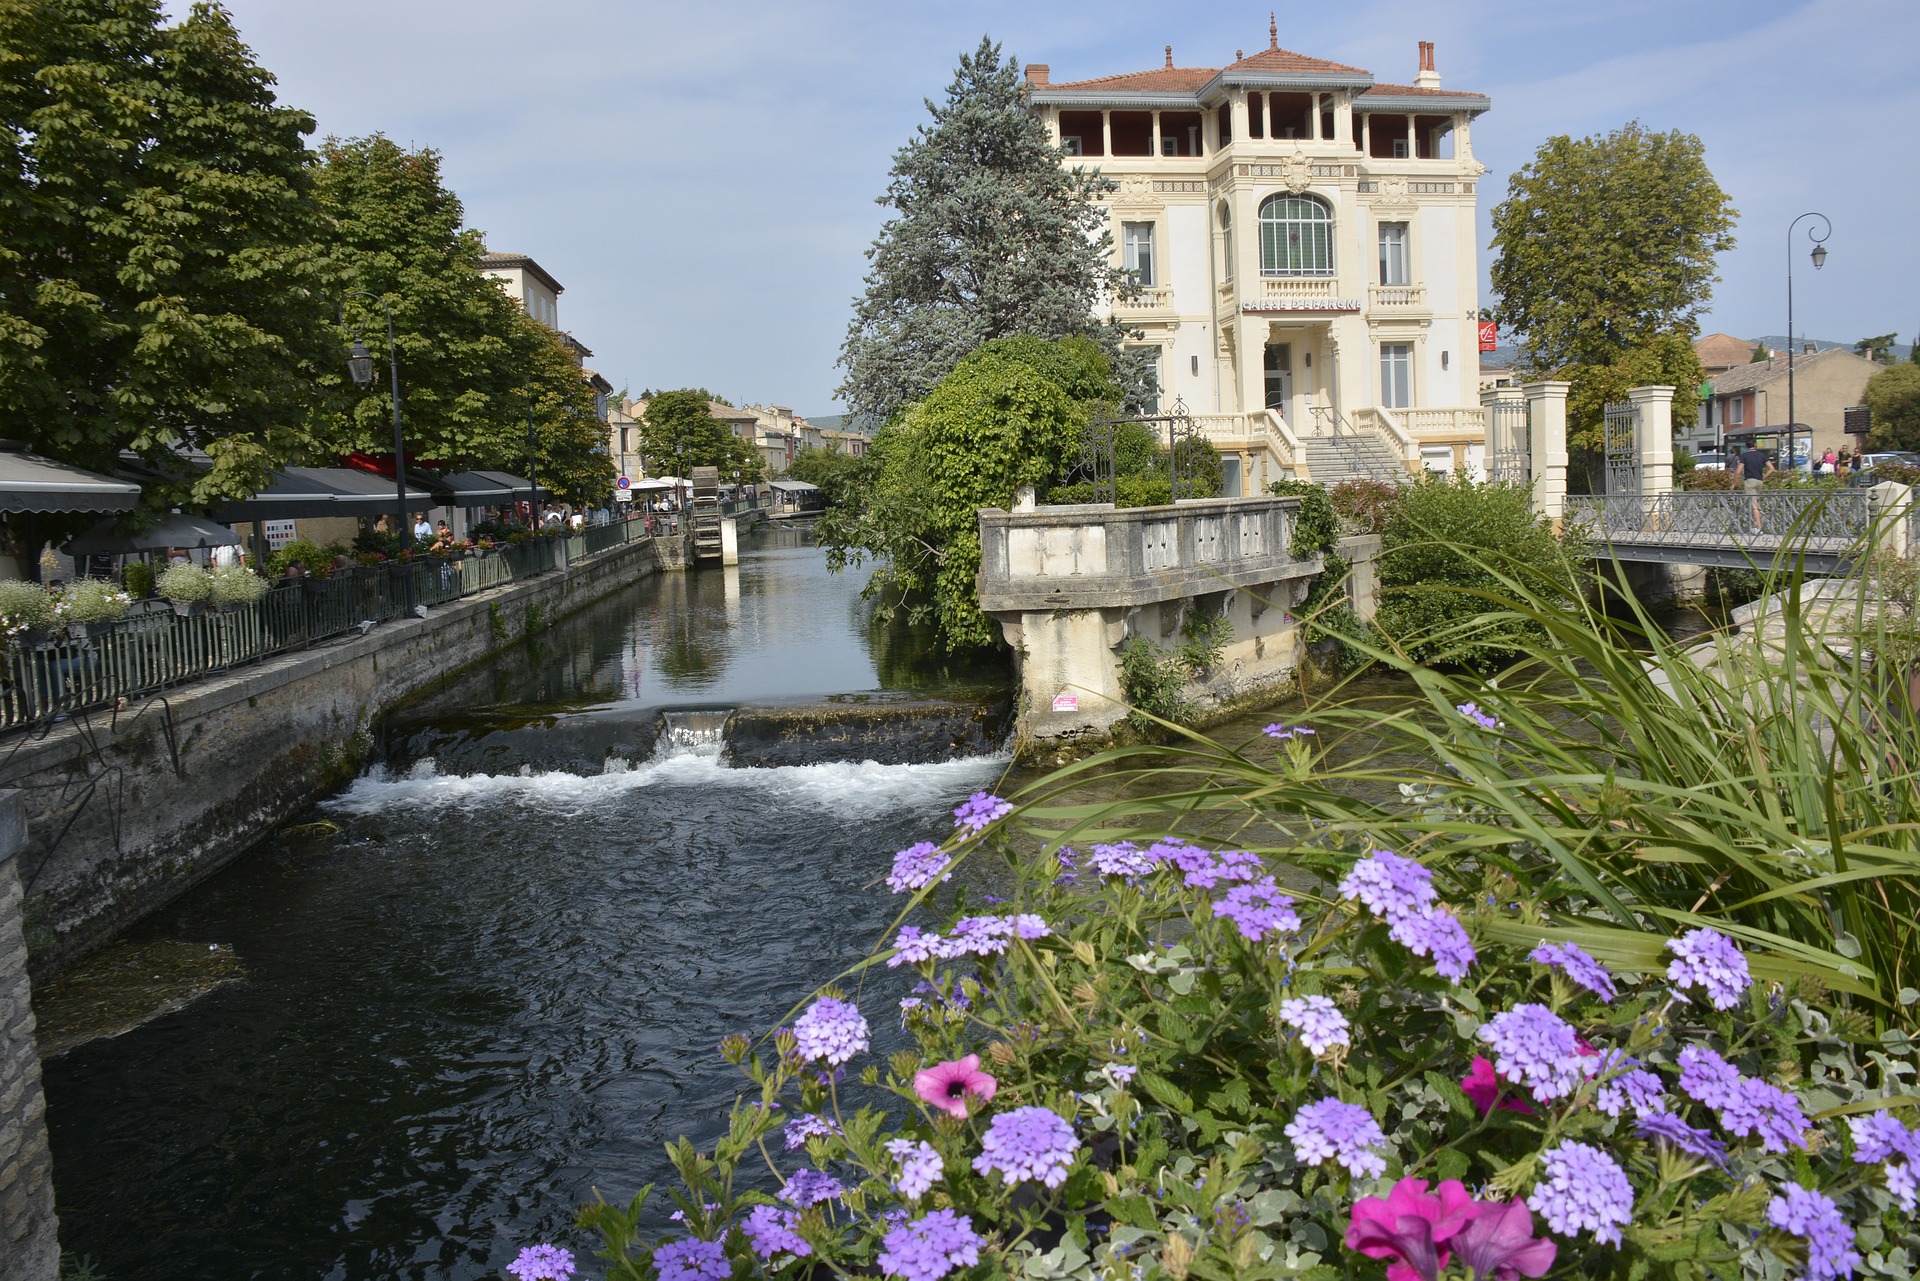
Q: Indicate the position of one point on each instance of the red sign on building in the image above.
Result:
(1489, 335)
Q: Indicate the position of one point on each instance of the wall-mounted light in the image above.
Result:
(1443, 360)
(1196, 365)
(1309, 360)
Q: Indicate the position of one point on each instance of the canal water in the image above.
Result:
(490, 993)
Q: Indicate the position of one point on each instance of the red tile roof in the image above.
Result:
(1411, 91)
(1159, 80)
(1286, 61)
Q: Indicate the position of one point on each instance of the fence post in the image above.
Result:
(1547, 412)
(1654, 406)
(1498, 408)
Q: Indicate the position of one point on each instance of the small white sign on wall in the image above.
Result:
(1066, 702)
(279, 534)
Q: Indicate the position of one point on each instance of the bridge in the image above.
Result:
(1825, 529)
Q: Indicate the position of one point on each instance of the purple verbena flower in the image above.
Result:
(1764, 1109)
(1572, 961)
(542, 1263)
(1638, 1089)
(810, 1187)
(1903, 1183)
(1027, 1143)
(1437, 933)
(1535, 1048)
(1028, 926)
(1880, 1135)
(771, 1230)
(1814, 1218)
(805, 1127)
(920, 1167)
(912, 946)
(1123, 858)
(830, 1031)
(1664, 1127)
(1120, 1073)
(1258, 909)
(977, 936)
(1321, 1025)
(918, 866)
(1334, 1130)
(1473, 713)
(930, 1247)
(1707, 1078)
(979, 811)
(1286, 733)
(1390, 886)
(1707, 959)
(692, 1260)
(1583, 1189)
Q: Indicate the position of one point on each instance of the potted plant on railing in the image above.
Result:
(233, 587)
(187, 586)
(90, 606)
(26, 614)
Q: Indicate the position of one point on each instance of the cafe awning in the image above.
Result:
(30, 483)
(177, 530)
(486, 488)
(297, 492)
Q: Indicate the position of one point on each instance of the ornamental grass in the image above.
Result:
(1599, 965)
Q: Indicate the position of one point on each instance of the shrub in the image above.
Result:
(1316, 528)
(1154, 684)
(1710, 478)
(1363, 503)
(92, 600)
(1448, 546)
(236, 585)
(312, 557)
(24, 606)
(138, 578)
(184, 582)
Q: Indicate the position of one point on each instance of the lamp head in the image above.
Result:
(1819, 257)
(360, 364)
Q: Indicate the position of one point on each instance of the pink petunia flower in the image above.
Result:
(1499, 1245)
(1482, 1085)
(947, 1085)
(1411, 1226)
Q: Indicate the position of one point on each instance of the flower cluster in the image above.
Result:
(1815, 1218)
(930, 1247)
(1437, 933)
(542, 1263)
(1746, 1106)
(1880, 1138)
(918, 866)
(1258, 909)
(830, 1032)
(1389, 886)
(692, 1260)
(1473, 713)
(1028, 1143)
(1570, 960)
(979, 812)
(803, 1128)
(1535, 1048)
(970, 936)
(1582, 1189)
(1706, 959)
(771, 1230)
(1333, 1130)
(811, 1187)
(1122, 858)
(1320, 1024)
(920, 1166)
(1286, 733)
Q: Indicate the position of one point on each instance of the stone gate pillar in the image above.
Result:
(1655, 408)
(1547, 412)
(28, 1250)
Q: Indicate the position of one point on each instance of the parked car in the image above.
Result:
(1864, 466)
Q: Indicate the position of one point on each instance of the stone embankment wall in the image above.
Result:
(127, 809)
(28, 1249)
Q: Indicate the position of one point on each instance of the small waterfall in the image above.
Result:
(693, 733)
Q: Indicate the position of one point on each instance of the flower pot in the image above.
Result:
(87, 631)
(38, 638)
(189, 608)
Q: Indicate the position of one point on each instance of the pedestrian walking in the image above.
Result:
(1755, 466)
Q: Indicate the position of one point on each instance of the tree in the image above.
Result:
(1893, 395)
(992, 237)
(1667, 360)
(836, 474)
(1878, 349)
(165, 283)
(678, 432)
(1760, 353)
(1606, 243)
(996, 422)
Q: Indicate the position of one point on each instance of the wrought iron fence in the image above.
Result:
(1825, 519)
(154, 647)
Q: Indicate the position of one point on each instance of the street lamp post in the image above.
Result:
(1819, 256)
(533, 478)
(360, 366)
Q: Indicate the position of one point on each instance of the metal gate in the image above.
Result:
(1510, 442)
(1095, 464)
(1174, 430)
(1621, 444)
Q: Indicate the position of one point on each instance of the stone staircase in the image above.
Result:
(1331, 459)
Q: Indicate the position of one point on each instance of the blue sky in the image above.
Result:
(701, 176)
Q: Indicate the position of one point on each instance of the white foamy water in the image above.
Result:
(862, 790)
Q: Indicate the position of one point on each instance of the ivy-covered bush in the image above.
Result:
(138, 577)
(1448, 547)
(1160, 1059)
(1362, 503)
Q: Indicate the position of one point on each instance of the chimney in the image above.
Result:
(1037, 73)
(1169, 57)
(1428, 78)
(1808, 349)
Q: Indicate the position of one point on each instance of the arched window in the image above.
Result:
(1296, 237)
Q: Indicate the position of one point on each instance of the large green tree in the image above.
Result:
(679, 431)
(1607, 249)
(991, 236)
(1893, 395)
(165, 284)
(1010, 414)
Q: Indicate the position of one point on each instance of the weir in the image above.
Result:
(702, 733)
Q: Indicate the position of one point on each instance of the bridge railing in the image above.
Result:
(1826, 519)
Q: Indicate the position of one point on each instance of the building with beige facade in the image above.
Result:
(1303, 241)
(1751, 400)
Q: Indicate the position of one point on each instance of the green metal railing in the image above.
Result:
(154, 647)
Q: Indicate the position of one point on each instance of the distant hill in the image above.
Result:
(1779, 343)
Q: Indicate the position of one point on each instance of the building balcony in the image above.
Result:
(1397, 297)
(1146, 299)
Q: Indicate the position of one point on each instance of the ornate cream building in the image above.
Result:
(1303, 238)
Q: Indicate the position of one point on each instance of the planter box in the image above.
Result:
(87, 631)
(188, 608)
(230, 606)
